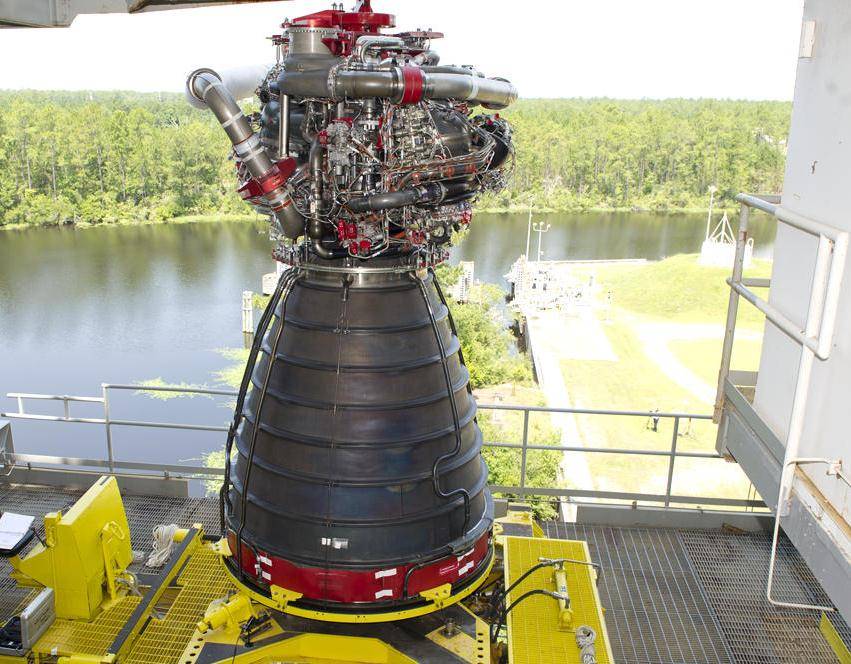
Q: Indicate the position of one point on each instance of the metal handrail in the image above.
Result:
(815, 340)
(524, 446)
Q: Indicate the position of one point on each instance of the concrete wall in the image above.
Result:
(817, 185)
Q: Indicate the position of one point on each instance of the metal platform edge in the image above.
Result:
(743, 435)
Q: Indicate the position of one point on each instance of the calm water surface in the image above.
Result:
(125, 304)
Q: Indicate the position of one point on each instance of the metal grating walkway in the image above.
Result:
(733, 570)
(698, 596)
(671, 596)
(143, 513)
(656, 610)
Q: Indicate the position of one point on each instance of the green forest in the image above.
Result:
(76, 157)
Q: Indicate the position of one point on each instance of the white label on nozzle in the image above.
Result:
(469, 553)
(335, 542)
(383, 593)
(264, 560)
(466, 568)
(385, 572)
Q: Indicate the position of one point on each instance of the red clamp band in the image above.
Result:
(274, 179)
(412, 78)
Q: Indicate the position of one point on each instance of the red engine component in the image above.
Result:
(402, 582)
(274, 179)
(361, 21)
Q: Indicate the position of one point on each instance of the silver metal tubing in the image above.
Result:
(181, 390)
(284, 127)
(596, 411)
(765, 203)
(206, 85)
(625, 495)
(732, 312)
(47, 459)
(489, 92)
(53, 397)
(367, 42)
(604, 450)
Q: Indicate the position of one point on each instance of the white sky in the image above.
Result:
(615, 48)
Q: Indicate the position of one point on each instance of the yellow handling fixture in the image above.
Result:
(84, 555)
(565, 614)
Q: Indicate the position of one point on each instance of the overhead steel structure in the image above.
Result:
(61, 13)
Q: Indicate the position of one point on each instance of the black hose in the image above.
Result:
(259, 333)
(326, 253)
(291, 277)
(387, 200)
(495, 627)
(461, 491)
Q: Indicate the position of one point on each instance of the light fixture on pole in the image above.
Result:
(528, 233)
(712, 190)
(540, 228)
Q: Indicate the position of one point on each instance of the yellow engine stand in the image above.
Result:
(84, 555)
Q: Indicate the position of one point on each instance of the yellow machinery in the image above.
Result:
(84, 555)
(538, 604)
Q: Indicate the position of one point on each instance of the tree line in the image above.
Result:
(123, 156)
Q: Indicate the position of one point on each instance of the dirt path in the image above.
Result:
(549, 340)
(655, 338)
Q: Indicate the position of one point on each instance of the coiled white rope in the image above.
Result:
(163, 544)
(585, 637)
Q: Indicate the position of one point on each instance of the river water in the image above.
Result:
(131, 303)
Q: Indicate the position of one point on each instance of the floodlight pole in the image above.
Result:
(712, 190)
(540, 228)
(528, 232)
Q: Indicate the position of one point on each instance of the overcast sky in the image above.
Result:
(570, 48)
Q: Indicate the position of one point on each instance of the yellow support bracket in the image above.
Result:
(438, 595)
(282, 596)
(222, 548)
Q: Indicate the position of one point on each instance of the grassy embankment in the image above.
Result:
(676, 297)
(183, 219)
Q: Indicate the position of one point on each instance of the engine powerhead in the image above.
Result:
(365, 145)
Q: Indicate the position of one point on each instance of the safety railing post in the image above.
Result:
(732, 311)
(525, 448)
(107, 422)
(671, 461)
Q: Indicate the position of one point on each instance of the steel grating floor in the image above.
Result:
(143, 514)
(671, 596)
(733, 570)
(698, 596)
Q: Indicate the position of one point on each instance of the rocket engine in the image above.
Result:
(355, 483)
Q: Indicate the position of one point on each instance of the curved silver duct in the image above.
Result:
(367, 42)
(206, 86)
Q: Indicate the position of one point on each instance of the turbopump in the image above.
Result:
(354, 484)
